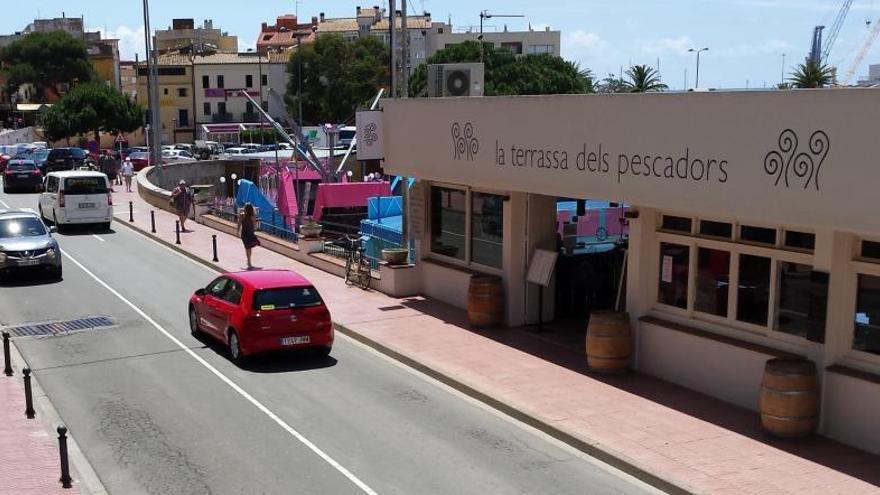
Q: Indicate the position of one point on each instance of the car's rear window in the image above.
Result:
(21, 227)
(85, 185)
(286, 298)
(21, 167)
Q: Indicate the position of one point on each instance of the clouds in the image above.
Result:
(668, 46)
(131, 41)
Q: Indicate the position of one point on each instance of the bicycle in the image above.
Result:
(357, 266)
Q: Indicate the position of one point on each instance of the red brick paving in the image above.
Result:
(29, 462)
(691, 440)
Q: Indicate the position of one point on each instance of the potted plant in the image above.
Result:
(395, 256)
(310, 229)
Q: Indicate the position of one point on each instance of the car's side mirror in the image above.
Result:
(201, 292)
(53, 230)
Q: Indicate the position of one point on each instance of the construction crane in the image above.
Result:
(854, 65)
(818, 51)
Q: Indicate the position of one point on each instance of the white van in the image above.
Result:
(76, 197)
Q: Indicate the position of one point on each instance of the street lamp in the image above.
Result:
(782, 72)
(697, 51)
(234, 183)
(484, 14)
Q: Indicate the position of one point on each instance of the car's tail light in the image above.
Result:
(109, 199)
(8, 172)
(37, 172)
(61, 199)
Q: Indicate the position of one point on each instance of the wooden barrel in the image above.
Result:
(609, 342)
(789, 397)
(485, 306)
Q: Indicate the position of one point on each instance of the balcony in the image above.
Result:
(222, 118)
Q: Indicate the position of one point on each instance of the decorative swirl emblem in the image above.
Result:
(370, 135)
(787, 159)
(465, 144)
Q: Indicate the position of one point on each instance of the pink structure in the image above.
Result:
(348, 195)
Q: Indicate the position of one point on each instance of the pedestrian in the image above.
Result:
(181, 200)
(127, 173)
(247, 224)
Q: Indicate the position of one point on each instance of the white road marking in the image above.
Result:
(4, 204)
(98, 237)
(265, 410)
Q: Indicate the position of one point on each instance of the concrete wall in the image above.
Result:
(438, 41)
(17, 136)
(850, 413)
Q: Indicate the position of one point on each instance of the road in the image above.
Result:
(158, 411)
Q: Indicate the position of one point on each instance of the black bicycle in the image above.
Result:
(357, 266)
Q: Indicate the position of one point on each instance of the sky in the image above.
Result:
(746, 38)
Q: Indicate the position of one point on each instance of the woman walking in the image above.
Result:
(247, 224)
(181, 200)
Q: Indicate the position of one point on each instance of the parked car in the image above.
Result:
(177, 156)
(26, 242)
(261, 311)
(40, 157)
(77, 197)
(237, 152)
(66, 159)
(4, 159)
(22, 174)
(141, 160)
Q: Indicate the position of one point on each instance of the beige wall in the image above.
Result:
(170, 103)
(438, 41)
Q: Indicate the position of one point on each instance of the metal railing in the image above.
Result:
(276, 225)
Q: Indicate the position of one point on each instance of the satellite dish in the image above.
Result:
(458, 83)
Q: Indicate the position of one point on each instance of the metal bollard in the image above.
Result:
(177, 231)
(28, 395)
(66, 480)
(152, 222)
(131, 211)
(214, 244)
(7, 367)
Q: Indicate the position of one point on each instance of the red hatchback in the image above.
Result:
(260, 311)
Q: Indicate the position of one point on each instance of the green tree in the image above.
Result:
(612, 84)
(507, 74)
(45, 60)
(92, 107)
(812, 74)
(337, 77)
(643, 79)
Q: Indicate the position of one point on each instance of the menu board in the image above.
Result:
(541, 267)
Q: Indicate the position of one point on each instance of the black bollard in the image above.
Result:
(152, 221)
(66, 480)
(214, 244)
(28, 395)
(131, 211)
(7, 366)
(177, 231)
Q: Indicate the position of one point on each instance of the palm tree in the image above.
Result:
(812, 74)
(644, 79)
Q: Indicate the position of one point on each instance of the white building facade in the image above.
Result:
(441, 35)
(754, 233)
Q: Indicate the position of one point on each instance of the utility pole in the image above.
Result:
(392, 18)
(404, 51)
(155, 142)
(782, 72)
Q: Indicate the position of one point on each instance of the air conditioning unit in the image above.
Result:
(455, 80)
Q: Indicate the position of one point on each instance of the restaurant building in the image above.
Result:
(753, 229)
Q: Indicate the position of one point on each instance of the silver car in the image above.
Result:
(26, 242)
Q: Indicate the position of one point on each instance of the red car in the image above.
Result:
(141, 160)
(260, 311)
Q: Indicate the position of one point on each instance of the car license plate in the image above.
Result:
(86, 205)
(295, 340)
(21, 176)
(29, 262)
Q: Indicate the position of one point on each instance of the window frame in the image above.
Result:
(859, 266)
(777, 255)
(248, 80)
(467, 262)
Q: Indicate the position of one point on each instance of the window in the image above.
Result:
(292, 297)
(264, 80)
(515, 47)
(716, 229)
(83, 186)
(487, 229)
(220, 82)
(760, 235)
(870, 250)
(206, 81)
(249, 107)
(802, 301)
(265, 106)
(677, 224)
(233, 293)
(218, 287)
(165, 90)
(221, 107)
(674, 267)
(867, 319)
(537, 49)
(248, 81)
(713, 281)
(800, 240)
(207, 108)
(181, 92)
(183, 117)
(753, 292)
(448, 212)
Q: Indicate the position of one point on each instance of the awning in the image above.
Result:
(31, 107)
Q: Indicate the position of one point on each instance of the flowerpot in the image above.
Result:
(395, 256)
(310, 230)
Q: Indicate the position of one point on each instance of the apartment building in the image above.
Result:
(183, 34)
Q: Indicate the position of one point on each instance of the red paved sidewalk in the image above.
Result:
(29, 462)
(689, 440)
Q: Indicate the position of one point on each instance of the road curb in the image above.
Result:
(170, 245)
(594, 450)
(84, 476)
(591, 449)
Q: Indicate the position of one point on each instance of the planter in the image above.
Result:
(310, 231)
(395, 256)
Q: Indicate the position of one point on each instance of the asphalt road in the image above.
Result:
(157, 411)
